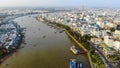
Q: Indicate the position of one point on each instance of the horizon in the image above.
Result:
(60, 7)
(60, 3)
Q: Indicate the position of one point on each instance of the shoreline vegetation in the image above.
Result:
(94, 59)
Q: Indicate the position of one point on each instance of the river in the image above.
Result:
(53, 51)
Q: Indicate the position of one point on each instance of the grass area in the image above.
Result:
(96, 59)
(113, 58)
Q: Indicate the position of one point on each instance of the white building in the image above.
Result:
(116, 45)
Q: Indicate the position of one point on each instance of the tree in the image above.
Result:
(86, 37)
(112, 29)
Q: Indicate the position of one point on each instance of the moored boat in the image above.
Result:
(61, 31)
(74, 50)
(72, 63)
(75, 64)
(44, 36)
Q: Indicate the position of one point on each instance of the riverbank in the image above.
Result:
(81, 40)
(89, 59)
(67, 29)
(11, 39)
(38, 52)
(76, 41)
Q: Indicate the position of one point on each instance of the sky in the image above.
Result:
(59, 3)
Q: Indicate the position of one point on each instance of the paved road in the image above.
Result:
(108, 64)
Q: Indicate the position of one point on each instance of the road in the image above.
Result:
(107, 63)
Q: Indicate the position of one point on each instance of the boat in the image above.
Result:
(39, 29)
(55, 32)
(82, 52)
(44, 36)
(74, 50)
(72, 63)
(79, 65)
(75, 64)
(61, 31)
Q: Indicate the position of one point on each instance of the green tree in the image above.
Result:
(86, 37)
(112, 29)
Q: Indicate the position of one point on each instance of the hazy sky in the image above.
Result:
(60, 3)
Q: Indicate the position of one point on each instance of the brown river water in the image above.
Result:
(53, 51)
